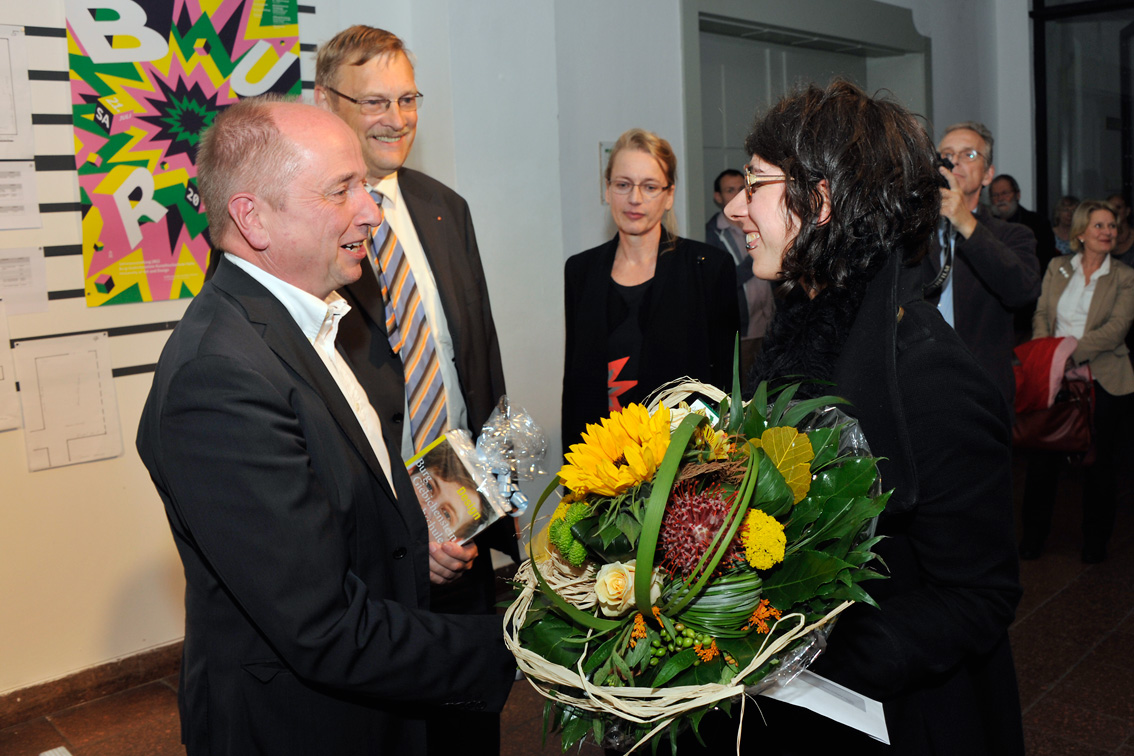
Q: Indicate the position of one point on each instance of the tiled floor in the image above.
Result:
(1073, 640)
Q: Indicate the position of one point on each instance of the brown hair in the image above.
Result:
(353, 47)
(880, 169)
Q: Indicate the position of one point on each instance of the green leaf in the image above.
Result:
(754, 416)
(655, 507)
(803, 515)
(621, 665)
(776, 414)
(546, 639)
(706, 673)
(674, 665)
(796, 413)
(574, 730)
(800, 577)
(853, 477)
(772, 493)
(825, 443)
(597, 657)
(736, 419)
(854, 592)
(629, 526)
(640, 653)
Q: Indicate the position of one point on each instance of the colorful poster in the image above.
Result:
(144, 82)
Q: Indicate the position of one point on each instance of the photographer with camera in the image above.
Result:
(994, 267)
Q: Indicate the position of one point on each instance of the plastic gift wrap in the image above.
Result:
(512, 447)
(699, 555)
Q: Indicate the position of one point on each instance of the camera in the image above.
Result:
(947, 164)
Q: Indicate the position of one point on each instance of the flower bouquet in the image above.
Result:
(693, 559)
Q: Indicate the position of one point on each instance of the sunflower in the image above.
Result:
(621, 451)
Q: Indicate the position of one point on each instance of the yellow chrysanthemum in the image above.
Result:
(764, 540)
(621, 451)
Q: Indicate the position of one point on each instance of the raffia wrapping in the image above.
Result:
(658, 706)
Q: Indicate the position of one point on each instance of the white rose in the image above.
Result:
(614, 587)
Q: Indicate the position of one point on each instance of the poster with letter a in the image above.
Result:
(146, 77)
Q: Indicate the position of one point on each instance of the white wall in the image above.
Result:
(518, 97)
(982, 71)
(619, 67)
(88, 571)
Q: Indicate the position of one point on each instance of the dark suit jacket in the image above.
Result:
(994, 271)
(689, 323)
(306, 579)
(444, 227)
(937, 653)
(1041, 228)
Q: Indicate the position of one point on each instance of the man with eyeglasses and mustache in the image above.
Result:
(420, 313)
(978, 268)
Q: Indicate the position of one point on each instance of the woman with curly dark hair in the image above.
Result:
(843, 189)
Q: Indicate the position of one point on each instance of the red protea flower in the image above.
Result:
(690, 523)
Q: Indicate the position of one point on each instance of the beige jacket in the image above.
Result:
(1108, 319)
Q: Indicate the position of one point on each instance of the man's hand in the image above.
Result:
(448, 560)
(954, 208)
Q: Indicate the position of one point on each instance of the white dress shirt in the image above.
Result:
(394, 206)
(319, 322)
(1075, 301)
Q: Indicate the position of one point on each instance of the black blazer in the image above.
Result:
(995, 271)
(690, 321)
(937, 653)
(444, 227)
(306, 579)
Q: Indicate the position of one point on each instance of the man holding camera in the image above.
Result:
(979, 268)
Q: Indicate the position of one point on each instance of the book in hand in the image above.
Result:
(457, 494)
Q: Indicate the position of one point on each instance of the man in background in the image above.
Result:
(421, 307)
(1004, 191)
(307, 570)
(754, 295)
(1005, 194)
(990, 266)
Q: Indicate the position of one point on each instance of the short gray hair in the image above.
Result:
(981, 131)
(244, 151)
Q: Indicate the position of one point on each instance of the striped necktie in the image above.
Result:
(410, 336)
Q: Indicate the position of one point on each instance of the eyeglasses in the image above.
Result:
(379, 105)
(753, 181)
(969, 156)
(649, 189)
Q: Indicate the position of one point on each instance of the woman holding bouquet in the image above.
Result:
(648, 306)
(841, 190)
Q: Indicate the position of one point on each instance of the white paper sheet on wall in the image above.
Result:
(69, 405)
(16, 139)
(23, 279)
(9, 402)
(19, 202)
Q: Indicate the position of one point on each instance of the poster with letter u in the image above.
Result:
(146, 77)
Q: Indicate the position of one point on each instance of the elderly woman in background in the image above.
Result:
(842, 190)
(1089, 296)
(648, 306)
(1064, 209)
